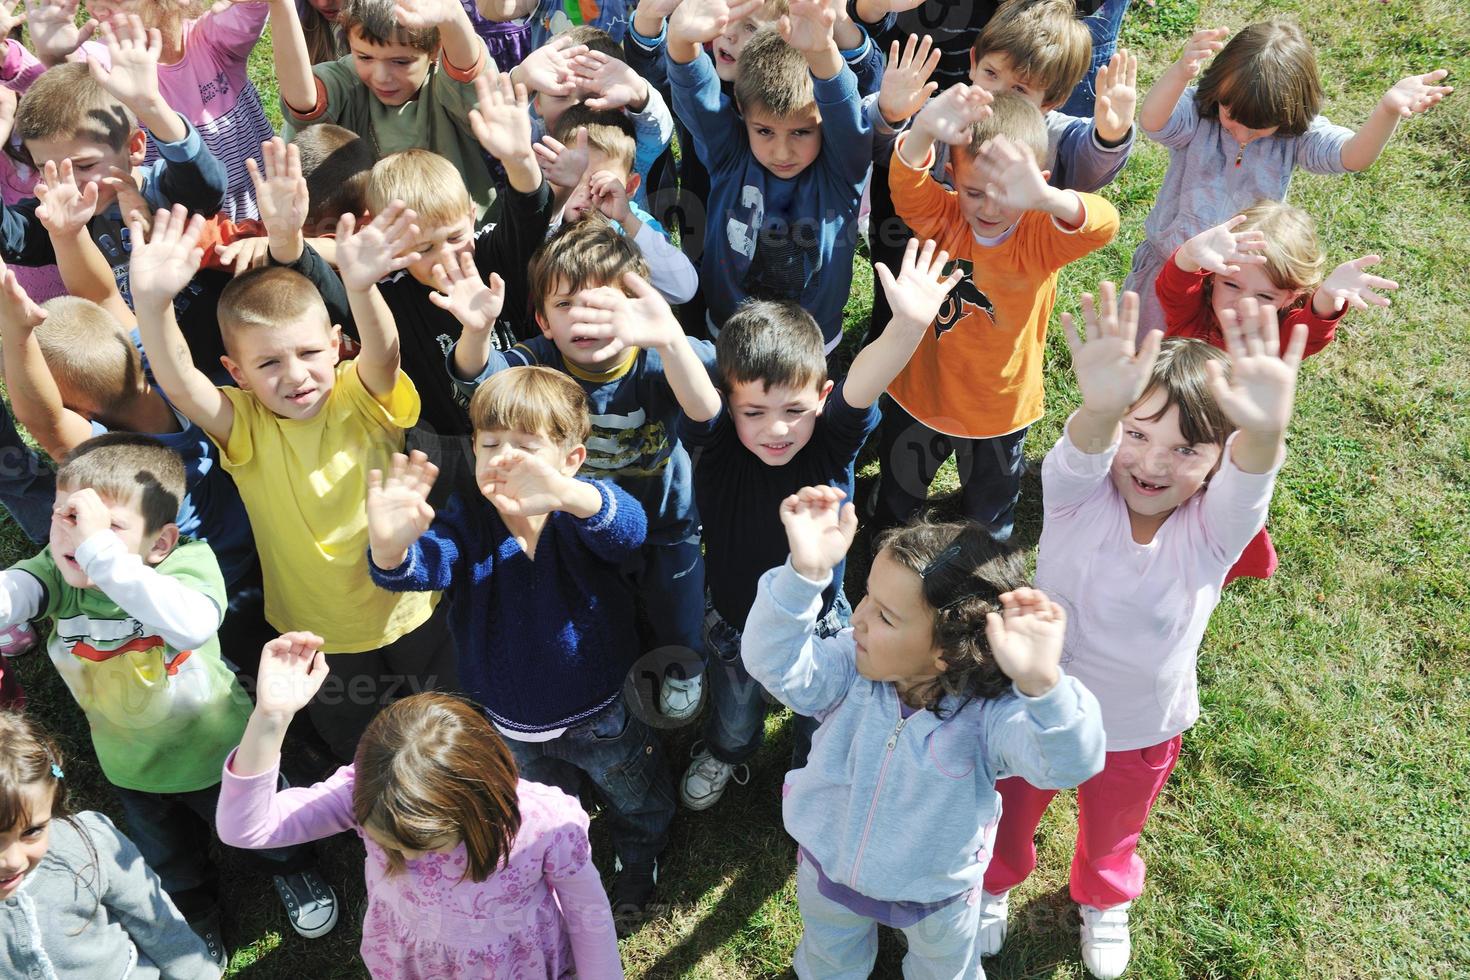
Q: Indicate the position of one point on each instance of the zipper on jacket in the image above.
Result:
(877, 791)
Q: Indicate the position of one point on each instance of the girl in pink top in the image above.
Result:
(470, 871)
(1157, 484)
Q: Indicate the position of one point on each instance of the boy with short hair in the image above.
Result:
(604, 325)
(135, 609)
(409, 81)
(783, 426)
(787, 162)
(974, 386)
(541, 611)
(298, 436)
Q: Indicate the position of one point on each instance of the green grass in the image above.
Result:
(1315, 826)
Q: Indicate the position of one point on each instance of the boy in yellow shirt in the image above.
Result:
(299, 435)
(973, 387)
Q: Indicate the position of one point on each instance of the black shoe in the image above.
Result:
(310, 903)
(212, 932)
(632, 888)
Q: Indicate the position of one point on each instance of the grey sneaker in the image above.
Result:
(679, 697)
(992, 928)
(212, 932)
(705, 780)
(310, 903)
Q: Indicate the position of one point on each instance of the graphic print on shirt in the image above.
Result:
(116, 667)
(964, 299)
(627, 445)
(742, 234)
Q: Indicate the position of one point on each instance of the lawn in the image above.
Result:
(1315, 826)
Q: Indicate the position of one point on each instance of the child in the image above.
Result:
(298, 436)
(949, 679)
(1237, 137)
(76, 898)
(136, 611)
(975, 385)
(1158, 482)
(1269, 253)
(471, 872)
(202, 73)
(541, 613)
(783, 426)
(409, 81)
(786, 172)
(602, 324)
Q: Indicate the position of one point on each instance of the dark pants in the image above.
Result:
(910, 454)
(27, 485)
(624, 758)
(173, 832)
(670, 584)
(360, 685)
(1104, 26)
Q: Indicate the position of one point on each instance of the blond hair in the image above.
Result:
(1267, 77)
(88, 353)
(1046, 42)
(1294, 259)
(423, 180)
(1015, 117)
(583, 255)
(609, 132)
(773, 75)
(534, 399)
(128, 467)
(67, 103)
(268, 297)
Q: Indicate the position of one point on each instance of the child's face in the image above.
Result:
(127, 522)
(327, 8)
(1251, 282)
(91, 160)
(986, 218)
(389, 843)
(784, 145)
(1155, 469)
(727, 47)
(554, 317)
(291, 368)
(580, 204)
(893, 628)
(1242, 135)
(551, 107)
(442, 245)
(995, 73)
(104, 10)
(394, 73)
(777, 422)
(492, 443)
(23, 846)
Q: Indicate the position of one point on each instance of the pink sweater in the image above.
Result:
(542, 913)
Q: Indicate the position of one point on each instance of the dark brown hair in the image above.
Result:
(126, 466)
(374, 22)
(1045, 41)
(1180, 373)
(1266, 76)
(583, 255)
(775, 342)
(431, 767)
(336, 163)
(963, 572)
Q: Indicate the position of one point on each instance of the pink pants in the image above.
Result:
(1111, 809)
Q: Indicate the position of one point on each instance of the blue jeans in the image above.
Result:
(27, 485)
(625, 761)
(911, 453)
(671, 590)
(1104, 26)
(172, 831)
(738, 702)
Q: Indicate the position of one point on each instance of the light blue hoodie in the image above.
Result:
(902, 809)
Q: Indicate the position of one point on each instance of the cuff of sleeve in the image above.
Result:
(103, 544)
(1118, 147)
(794, 591)
(689, 73)
(607, 513)
(924, 165)
(857, 55)
(465, 74)
(1054, 709)
(10, 67)
(185, 149)
(318, 108)
(650, 44)
(840, 88)
(1072, 229)
(403, 573)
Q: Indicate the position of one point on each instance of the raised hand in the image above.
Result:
(950, 117)
(549, 68)
(17, 310)
(1026, 639)
(398, 511)
(1223, 250)
(281, 194)
(1012, 178)
(701, 21)
(423, 14)
(501, 119)
(1417, 93)
(520, 484)
(1259, 394)
(132, 78)
(1110, 372)
(165, 260)
(609, 195)
(1201, 47)
(648, 19)
(1117, 96)
(64, 207)
(906, 86)
(472, 301)
(642, 319)
(918, 292)
(292, 669)
(616, 83)
(54, 30)
(819, 529)
(86, 511)
(808, 24)
(1352, 284)
(366, 255)
(243, 254)
(130, 200)
(563, 166)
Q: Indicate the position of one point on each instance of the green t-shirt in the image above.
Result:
(162, 720)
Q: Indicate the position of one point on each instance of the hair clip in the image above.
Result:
(56, 772)
(940, 560)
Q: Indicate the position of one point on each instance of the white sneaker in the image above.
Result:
(705, 780)
(993, 912)
(679, 697)
(1105, 943)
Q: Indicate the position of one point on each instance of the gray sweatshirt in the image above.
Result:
(895, 808)
(80, 917)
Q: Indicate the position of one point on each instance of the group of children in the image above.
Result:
(422, 424)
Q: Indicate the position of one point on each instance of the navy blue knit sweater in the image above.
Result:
(544, 643)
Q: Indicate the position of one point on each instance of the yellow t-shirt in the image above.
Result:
(304, 483)
(977, 372)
